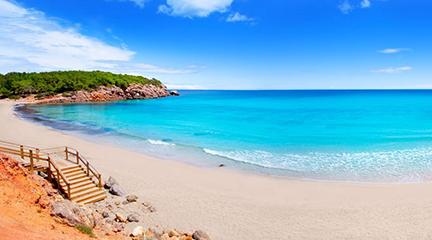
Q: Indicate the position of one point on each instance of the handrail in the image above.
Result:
(86, 163)
(35, 153)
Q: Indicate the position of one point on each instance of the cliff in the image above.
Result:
(104, 94)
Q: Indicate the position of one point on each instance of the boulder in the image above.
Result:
(105, 215)
(110, 182)
(120, 218)
(137, 231)
(132, 198)
(73, 214)
(133, 217)
(200, 235)
(174, 93)
(116, 190)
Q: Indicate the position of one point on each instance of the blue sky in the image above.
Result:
(226, 44)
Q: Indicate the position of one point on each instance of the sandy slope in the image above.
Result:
(230, 205)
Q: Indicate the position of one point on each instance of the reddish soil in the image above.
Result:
(23, 207)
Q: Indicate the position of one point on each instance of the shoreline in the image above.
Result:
(232, 204)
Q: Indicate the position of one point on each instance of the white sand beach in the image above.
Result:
(234, 205)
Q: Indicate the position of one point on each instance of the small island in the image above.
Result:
(59, 87)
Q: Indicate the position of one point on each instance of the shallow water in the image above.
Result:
(333, 135)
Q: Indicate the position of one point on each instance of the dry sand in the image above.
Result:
(232, 205)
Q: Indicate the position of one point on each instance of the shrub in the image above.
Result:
(86, 230)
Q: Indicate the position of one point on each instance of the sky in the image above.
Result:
(226, 44)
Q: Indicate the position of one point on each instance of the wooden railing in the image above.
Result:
(35, 154)
(73, 154)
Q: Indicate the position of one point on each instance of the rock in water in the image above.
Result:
(200, 235)
(174, 93)
(132, 198)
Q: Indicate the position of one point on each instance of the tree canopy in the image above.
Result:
(17, 84)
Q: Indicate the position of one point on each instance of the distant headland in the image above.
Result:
(79, 87)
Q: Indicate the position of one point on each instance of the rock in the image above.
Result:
(137, 231)
(133, 217)
(105, 215)
(200, 235)
(165, 236)
(120, 218)
(174, 93)
(152, 209)
(110, 182)
(173, 233)
(117, 202)
(117, 227)
(132, 198)
(221, 165)
(116, 190)
(73, 214)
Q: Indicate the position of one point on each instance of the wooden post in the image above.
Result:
(22, 151)
(88, 169)
(31, 161)
(58, 179)
(77, 155)
(49, 169)
(100, 180)
(68, 191)
(67, 153)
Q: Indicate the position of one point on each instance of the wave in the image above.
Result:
(160, 142)
(397, 163)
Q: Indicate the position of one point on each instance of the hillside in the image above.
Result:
(24, 201)
(16, 85)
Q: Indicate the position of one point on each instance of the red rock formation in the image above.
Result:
(106, 94)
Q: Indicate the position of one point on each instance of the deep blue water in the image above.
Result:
(342, 135)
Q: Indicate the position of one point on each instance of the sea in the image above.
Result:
(334, 135)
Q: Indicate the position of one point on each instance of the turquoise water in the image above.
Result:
(332, 135)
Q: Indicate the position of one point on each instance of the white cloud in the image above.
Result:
(30, 41)
(238, 17)
(365, 4)
(139, 3)
(391, 70)
(194, 8)
(345, 7)
(393, 50)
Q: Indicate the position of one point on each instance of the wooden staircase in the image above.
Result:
(77, 179)
(82, 188)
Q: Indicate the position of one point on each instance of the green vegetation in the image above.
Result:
(86, 230)
(15, 84)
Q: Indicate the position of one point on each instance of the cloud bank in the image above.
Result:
(194, 8)
(31, 41)
(392, 70)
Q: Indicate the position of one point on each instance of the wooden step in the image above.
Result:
(82, 175)
(73, 166)
(77, 182)
(94, 199)
(82, 188)
(72, 170)
(85, 192)
(90, 196)
(89, 183)
(73, 174)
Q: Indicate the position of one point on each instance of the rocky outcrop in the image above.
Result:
(106, 94)
(174, 93)
(113, 187)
